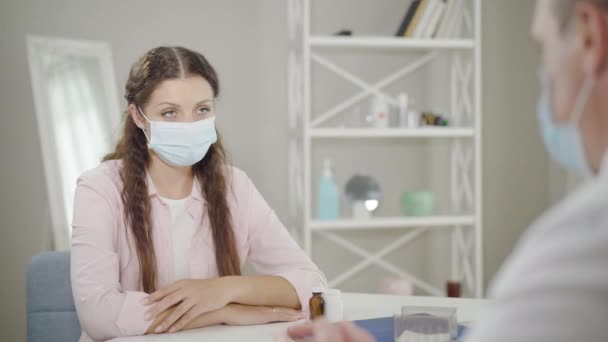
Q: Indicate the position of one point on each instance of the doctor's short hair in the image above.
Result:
(565, 8)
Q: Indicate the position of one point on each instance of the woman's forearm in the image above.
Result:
(234, 314)
(273, 291)
(254, 291)
(205, 320)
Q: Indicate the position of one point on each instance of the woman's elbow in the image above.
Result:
(97, 322)
(109, 314)
(92, 326)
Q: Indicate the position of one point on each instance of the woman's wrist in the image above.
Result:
(209, 319)
(236, 288)
(273, 291)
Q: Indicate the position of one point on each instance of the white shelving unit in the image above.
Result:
(392, 223)
(464, 137)
(389, 43)
(337, 133)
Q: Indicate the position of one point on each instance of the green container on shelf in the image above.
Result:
(418, 203)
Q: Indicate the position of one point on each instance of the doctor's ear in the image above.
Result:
(593, 30)
(137, 117)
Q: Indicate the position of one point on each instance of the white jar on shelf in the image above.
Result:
(380, 111)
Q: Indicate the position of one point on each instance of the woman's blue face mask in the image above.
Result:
(181, 143)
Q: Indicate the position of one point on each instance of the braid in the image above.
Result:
(210, 172)
(135, 196)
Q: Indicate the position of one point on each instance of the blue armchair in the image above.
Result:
(51, 315)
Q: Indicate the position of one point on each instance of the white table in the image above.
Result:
(356, 307)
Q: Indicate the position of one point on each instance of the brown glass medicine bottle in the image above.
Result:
(316, 304)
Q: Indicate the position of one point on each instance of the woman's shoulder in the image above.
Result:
(239, 184)
(234, 173)
(238, 178)
(104, 177)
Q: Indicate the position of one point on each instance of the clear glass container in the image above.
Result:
(426, 324)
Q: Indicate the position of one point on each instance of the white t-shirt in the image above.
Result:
(182, 226)
(554, 287)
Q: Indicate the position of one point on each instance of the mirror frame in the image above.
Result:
(37, 48)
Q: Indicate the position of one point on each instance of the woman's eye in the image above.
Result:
(169, 114)
(204, 110)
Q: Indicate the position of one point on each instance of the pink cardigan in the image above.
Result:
(105, 270)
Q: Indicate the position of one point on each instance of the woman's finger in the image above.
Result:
(164, 304)
(162, 293)
(177, 313)
(184, 321)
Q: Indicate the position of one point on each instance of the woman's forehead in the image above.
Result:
(182, 91)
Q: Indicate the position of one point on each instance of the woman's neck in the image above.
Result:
(170, 181)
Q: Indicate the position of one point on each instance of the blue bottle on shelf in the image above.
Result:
(328, 201)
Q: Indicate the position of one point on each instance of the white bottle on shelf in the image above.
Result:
(402, 106)
(380, 112)
(413, 115)
(328, 198)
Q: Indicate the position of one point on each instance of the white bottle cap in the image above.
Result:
(327, 169)
(317, 289)
(331, 292)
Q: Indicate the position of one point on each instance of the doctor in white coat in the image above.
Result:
(554, 286)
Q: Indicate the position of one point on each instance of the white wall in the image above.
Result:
(246, 42)
(248, 46)
(516, 166)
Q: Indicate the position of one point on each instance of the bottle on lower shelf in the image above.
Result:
(328, 196)
(453, 289)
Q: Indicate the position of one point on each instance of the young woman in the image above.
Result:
(163, 226)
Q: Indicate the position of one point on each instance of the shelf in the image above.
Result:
(389, 43)
(393, 223)
(349, 133)
(460, 61)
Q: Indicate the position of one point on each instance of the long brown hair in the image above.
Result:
(154, 67)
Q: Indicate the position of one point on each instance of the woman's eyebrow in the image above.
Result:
(167, 103)
(203, 101)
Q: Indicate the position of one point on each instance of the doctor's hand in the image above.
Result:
(323, 331)
(190, 299)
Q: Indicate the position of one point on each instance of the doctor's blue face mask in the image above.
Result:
(181, 143)
(564, 141)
